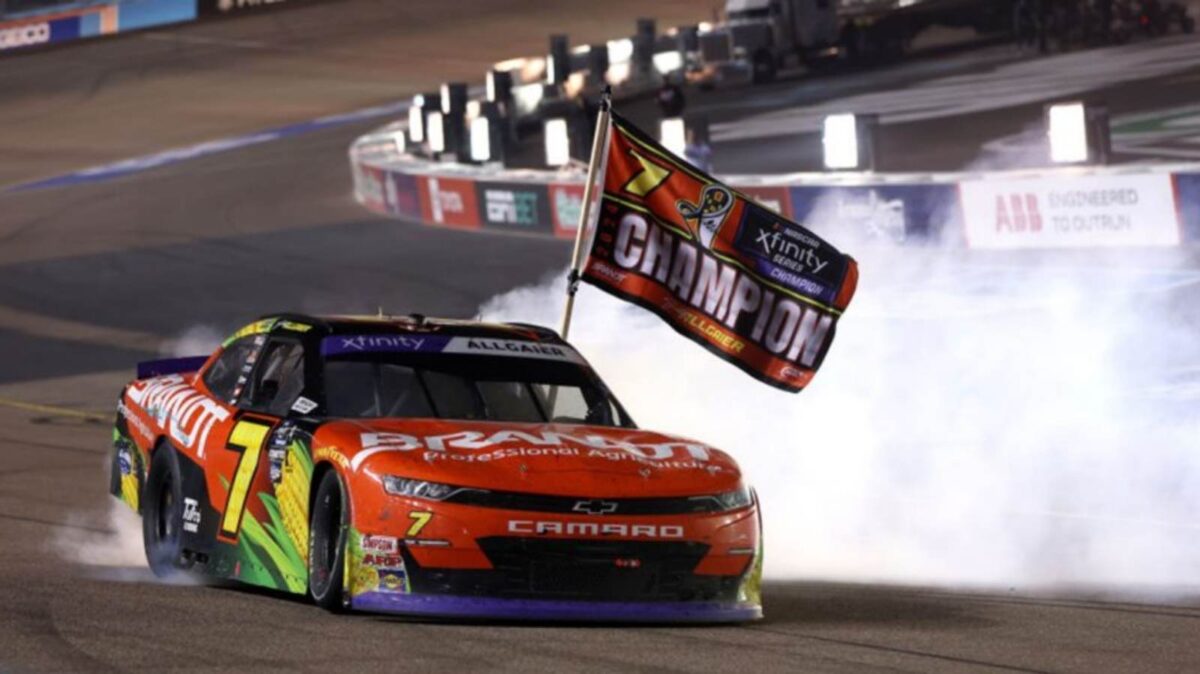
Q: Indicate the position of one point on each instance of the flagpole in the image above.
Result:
(585, 214)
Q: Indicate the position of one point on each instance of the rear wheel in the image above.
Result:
(327, 529)
(162, 514)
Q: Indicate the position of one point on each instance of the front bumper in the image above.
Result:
(517, 565)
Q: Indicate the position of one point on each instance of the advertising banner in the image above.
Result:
(749, 285)
(1187, 194)
(893, 213)
(1065, 212)
(401, 195)
(521, 207)
(16, 35)
(448, 201)
(566, 203)
(368, 183)
(223, 7)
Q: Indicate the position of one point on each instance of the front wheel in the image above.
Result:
(162, 514)
(327, 529)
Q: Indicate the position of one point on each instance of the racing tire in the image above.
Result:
(162, 514)
(328, 525)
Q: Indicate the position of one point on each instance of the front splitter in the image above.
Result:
(450, 606)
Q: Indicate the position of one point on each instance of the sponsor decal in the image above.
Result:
(566, 207)
(1082, 211)
(294, 326)
(594, 529)
(505, 444)
(191, 515)
(135, 422)
(186, 414)
(393, 580)
(596, 507)
(387, 545)
(332, 455)
(478, 346)
(514, 205)
(756, 289)
(449, 201)
(259, 328)
(304, 405)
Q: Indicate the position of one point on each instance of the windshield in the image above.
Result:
(469, 387)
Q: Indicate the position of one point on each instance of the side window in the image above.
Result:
(222, 378)
(279, 379)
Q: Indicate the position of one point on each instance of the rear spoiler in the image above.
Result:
(163, 366)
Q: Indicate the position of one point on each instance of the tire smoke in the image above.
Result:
(993, 420)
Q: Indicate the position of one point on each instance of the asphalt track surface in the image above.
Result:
(95, 277)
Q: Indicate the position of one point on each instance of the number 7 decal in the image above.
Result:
(247, 438)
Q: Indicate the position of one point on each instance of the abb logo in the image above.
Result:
(1018, 213)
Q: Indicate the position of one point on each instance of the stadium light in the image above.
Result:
(416, 119)
(558, 142)
(849, 142)
(840, 139)
(436, 133)
(1068, 133)
(1078, 132)
(673, 135)
(481, 139)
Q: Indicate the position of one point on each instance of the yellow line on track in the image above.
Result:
(51, 409)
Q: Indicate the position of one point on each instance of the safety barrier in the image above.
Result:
(67, 22)
(1075, 207)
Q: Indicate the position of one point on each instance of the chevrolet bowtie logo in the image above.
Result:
(595, 507)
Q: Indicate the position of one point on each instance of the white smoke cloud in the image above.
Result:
(196, 340)
(112, 549)
(990, 420)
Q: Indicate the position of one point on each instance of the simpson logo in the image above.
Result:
(594, 529)
(706, 218)
(24, 36)
(191, 515)
(384, 545)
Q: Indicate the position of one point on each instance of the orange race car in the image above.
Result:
(430, 467)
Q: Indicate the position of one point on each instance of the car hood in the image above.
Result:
(560, 459)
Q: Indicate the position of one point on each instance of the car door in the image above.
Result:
(261, 514)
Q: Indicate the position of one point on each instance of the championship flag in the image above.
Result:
(749, 285)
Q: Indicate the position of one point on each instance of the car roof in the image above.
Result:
(418, 324)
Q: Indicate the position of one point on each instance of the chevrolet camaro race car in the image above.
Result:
(430, 467)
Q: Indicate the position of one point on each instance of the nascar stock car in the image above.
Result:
(430, 467)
